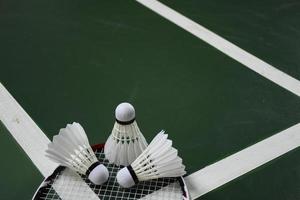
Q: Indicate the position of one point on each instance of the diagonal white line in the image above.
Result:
(228, 48)
(220, 173)
(34, 142)
(69, 186)
(29, 136)
(65, 184)
(238, 164)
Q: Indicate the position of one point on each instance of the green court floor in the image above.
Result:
(68, 61)
(268, 29)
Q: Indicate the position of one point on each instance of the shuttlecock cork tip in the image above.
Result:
(99, 174)
(125, 113)
(126, 177)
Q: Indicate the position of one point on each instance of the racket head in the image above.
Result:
(64, 184)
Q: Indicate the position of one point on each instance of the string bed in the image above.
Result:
(69, 185)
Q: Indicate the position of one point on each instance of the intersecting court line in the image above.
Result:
(252, 62)
(222, 172)
(34, 142)
(238, 164)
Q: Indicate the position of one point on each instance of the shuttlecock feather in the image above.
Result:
(158, 160)
(71, 148)
(126, 142)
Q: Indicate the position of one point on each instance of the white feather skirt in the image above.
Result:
(125, 144)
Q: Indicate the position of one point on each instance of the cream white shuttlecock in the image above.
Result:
(158, 160)
(71, 148)
(126, 142)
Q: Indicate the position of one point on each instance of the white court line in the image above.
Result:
(228, 48)
(29, 136)
(65, 184)
(238, 164)
(34, 142)
(215, 175)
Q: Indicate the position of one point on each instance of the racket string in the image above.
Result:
(163, 188)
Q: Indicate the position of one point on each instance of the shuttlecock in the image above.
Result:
(126, 142)
(158, 160)
(71, 148)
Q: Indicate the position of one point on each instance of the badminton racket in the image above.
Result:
(64, 184)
